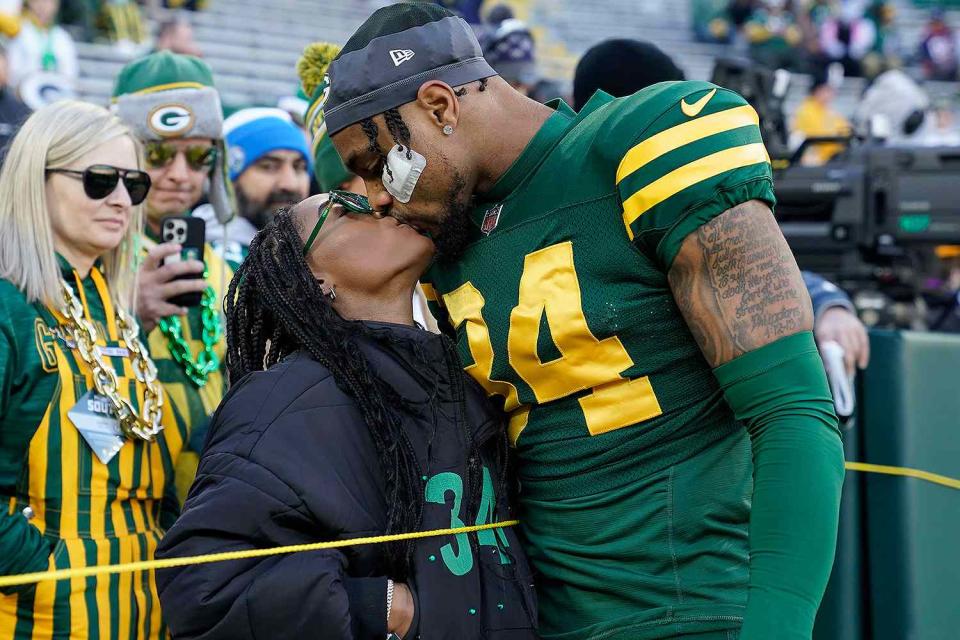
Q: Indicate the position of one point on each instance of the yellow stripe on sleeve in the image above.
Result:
(683, 134)
(689, 175)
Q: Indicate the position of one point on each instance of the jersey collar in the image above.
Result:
(68, 273)
(535, 152)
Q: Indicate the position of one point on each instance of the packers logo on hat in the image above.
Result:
(170, 120)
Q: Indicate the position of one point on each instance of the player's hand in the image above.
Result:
(401, 611)
(843, 327)
(157, 285)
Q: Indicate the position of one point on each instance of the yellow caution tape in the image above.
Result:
(167, 563)
(935, 478)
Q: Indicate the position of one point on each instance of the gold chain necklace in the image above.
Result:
(84, 335)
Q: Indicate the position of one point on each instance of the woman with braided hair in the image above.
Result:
(345, 420)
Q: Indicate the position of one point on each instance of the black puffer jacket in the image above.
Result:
(289, 460)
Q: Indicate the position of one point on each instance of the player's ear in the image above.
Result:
(440, 101)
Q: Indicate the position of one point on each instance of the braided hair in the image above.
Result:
(275, 306)
(398, 128)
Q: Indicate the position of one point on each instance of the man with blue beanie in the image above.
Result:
(270, 167)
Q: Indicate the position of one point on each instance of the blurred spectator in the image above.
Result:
(189, 5)
(811, 19)
(739, 11)
(847, 36)
(12, 111)
(942, 130)
(510, 50)
(945, 291)
(816, 117)
(10, 11)
(123, 24)
(712, 20)
(885, 52)
(774, 35)
(620, 67)
(176, 35)
(818, 11)
(42, 46)
(81, 17)
(469, 10)
(270, 168)
(509, 47)
(938, 49)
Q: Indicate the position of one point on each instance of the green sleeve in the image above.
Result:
(780, 393)
(28, 380)
(703, 154)
(23, 548)
(8, 360)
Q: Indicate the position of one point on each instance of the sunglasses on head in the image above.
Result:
(100, 180)
(199, 157)
(352, 202)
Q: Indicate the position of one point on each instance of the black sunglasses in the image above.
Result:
(100, 180)
(352, 202)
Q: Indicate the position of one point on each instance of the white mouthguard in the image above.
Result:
(405, 172)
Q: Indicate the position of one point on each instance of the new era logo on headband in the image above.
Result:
(399, 56)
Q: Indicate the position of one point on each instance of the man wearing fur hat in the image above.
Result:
(170, 103)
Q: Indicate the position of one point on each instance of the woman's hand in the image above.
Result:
(401, 612)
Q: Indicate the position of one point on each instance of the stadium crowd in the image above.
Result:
(807, 35)
(223, 333)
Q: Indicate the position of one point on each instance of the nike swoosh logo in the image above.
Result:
(693, 110)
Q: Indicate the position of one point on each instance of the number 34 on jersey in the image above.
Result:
(549, 289)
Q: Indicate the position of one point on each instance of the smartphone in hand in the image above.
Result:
(190, 234)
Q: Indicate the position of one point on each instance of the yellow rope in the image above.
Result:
(935, 478)
(168, 563)
(83, 572)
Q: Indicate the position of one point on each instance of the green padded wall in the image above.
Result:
(911, 418)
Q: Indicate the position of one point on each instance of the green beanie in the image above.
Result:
(163, 71)
(328, 168)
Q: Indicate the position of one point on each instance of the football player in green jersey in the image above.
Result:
(616, 280)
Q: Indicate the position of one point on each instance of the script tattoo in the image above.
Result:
(737, 284)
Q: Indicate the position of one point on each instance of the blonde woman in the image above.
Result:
(88, 441)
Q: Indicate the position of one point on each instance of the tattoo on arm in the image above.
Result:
(737, 284)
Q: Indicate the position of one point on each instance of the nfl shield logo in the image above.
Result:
(490, 219)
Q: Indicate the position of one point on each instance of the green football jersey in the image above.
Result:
(635, 477)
